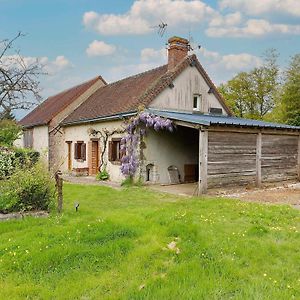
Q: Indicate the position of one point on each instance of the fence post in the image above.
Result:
(59, 187)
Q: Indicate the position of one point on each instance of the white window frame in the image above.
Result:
(199, 102)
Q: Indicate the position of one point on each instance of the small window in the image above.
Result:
(80, 150)
(215, 111)
(114, 150)
(197, 101)
(28, 138)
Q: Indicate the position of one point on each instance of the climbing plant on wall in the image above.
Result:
(136, 129)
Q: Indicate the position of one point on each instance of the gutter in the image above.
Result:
(119, 116)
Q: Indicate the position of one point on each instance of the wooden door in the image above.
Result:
(69, 156)
(95, 158)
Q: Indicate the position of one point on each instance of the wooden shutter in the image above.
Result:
(110, 151)
(83, 151)
(76, 151)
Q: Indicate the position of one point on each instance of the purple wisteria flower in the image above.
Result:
(136, 129)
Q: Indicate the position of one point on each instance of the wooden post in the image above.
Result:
(59, 187)
(258, 159)
(203, 148)
(298, 158)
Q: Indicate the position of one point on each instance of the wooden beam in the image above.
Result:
(253, 130)
(298, 167)
(258, 159)
(203, 149)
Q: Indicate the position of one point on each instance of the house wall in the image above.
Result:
(180, 97)
(40, 141)
(56, 139)
(81, 133)
(165, 149)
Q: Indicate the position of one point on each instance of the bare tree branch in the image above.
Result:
(19, 87)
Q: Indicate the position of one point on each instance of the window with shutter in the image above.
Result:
(83, 151)
(28, 138)
(80, 150)
(110, 151)
(114, 150)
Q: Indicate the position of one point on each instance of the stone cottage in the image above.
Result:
(209, 146)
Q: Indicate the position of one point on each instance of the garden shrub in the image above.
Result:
(9, 132)
(11, 159)
(26, 157)
(27, 190)
(7, 162)
(102, 175)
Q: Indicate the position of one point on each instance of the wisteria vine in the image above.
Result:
(136, 129)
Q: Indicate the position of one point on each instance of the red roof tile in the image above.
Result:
(118, 97)
(53, 105)
(128, 94)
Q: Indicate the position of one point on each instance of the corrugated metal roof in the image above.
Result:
(207, 120)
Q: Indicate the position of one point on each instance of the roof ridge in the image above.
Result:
(75, 86)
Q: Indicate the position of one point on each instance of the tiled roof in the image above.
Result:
(118, 97)
(53, 105)
(128, 94)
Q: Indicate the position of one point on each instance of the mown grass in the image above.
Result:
(115, 247)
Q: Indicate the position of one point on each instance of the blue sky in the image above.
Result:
(79, 39)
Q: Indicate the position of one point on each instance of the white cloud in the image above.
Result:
(61, 62)
(228, 20)
(152, 55)
(51, 67)
(258, 7)
(230, 62)
(144, 14)
(253, 28)
(222, 67)
(100, 48)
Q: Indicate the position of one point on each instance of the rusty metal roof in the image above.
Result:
(208, 120)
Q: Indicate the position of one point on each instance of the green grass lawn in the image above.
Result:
(115, 247)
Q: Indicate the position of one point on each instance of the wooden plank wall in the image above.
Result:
(231, 158)
(279, 155)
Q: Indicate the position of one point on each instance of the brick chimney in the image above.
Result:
(177, 51)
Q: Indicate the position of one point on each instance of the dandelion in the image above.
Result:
(27, 251)
(265, 275)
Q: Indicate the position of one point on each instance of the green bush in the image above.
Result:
(11, 159)
(7, 162)
(26, 157)
(103, 175)
(26, 190)
(9, 132)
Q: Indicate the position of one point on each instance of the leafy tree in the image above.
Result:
(19, 87)
(252, 94)
(238, 94)
(9, 132)
(290, 96)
